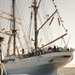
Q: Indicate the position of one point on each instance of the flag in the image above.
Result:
(59, 21)
(51, 20)
(66, 30)
(62, 21)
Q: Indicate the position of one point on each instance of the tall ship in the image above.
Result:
(34, 36)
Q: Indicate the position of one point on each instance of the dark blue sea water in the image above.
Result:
(66, 71)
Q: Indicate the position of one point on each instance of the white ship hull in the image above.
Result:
(46, 64)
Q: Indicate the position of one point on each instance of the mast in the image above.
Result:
(35, 23)
(14, 30)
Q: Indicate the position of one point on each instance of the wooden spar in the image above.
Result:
(5, 33)
(54, 40)
(46, 21)
(9, 19)
(9, 14)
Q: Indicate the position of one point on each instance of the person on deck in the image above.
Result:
(49, 49)
(54, 48)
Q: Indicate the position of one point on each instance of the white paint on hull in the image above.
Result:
(46, 64)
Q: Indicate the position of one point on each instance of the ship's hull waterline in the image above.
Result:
(46, 64)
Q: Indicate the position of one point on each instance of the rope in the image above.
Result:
(39, 3)
(23, 26)
(43, 30)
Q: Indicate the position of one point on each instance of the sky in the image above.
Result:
(67, 12)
